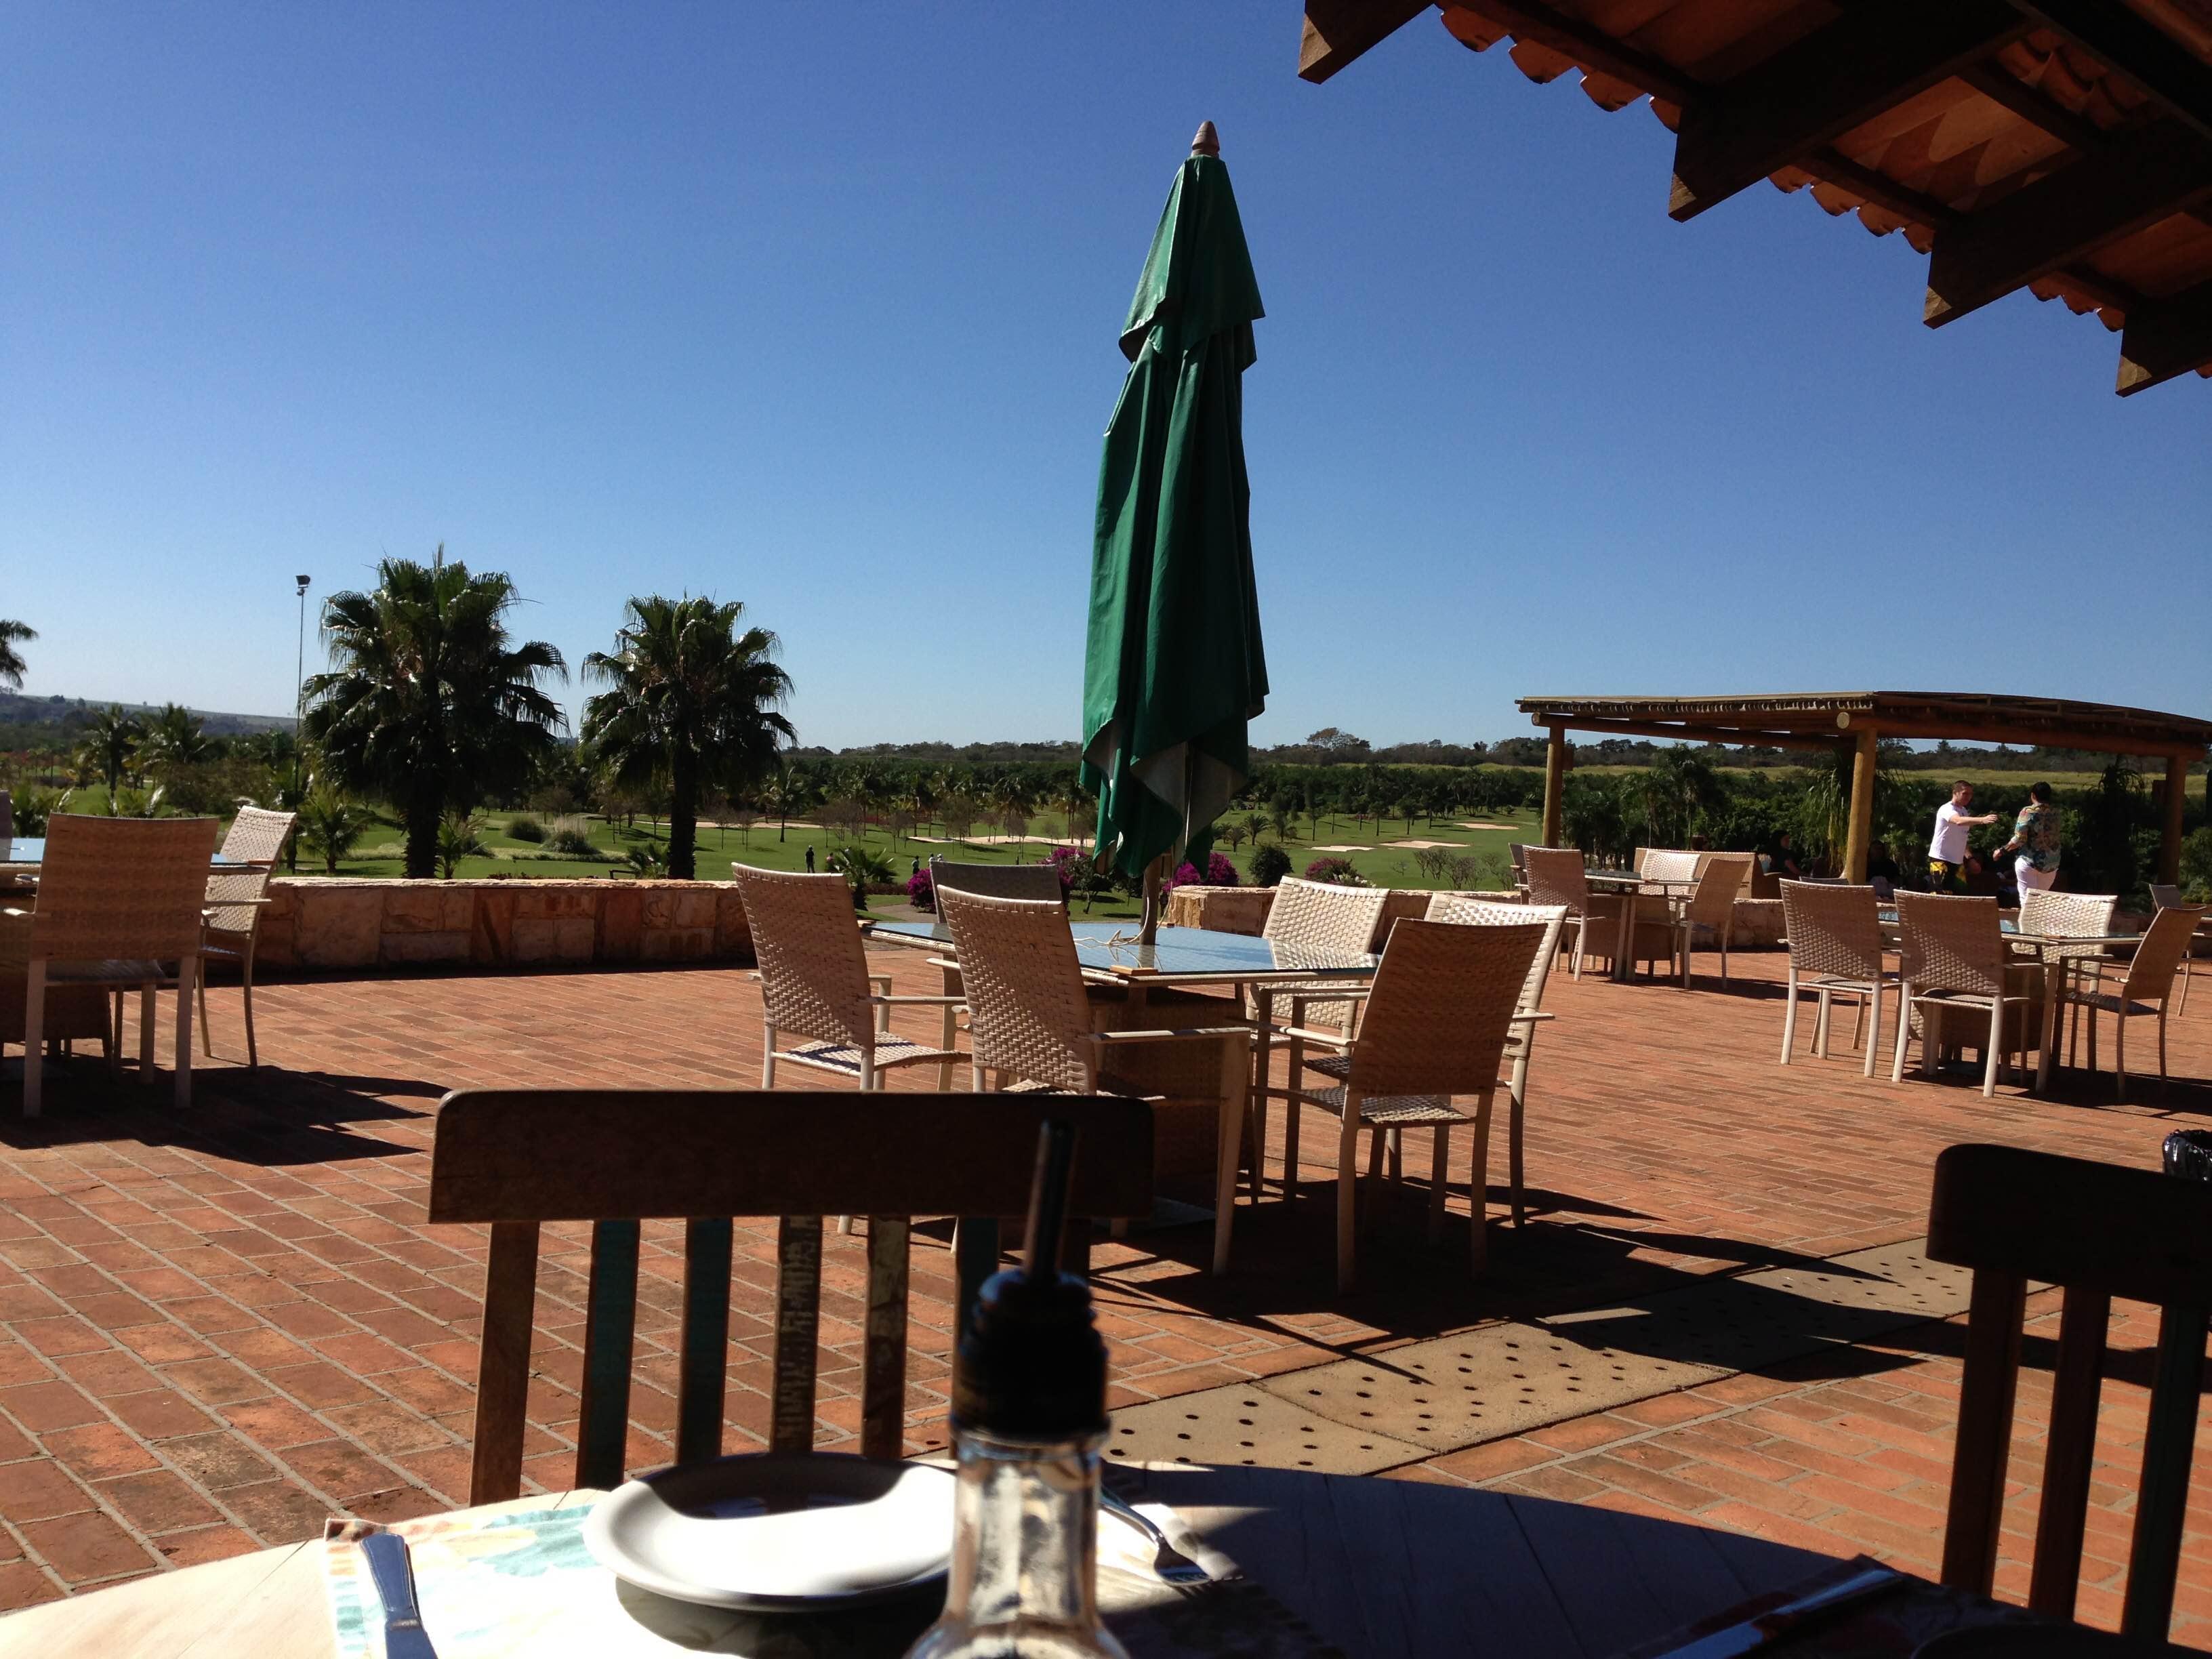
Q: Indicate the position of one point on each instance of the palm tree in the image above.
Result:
(691, 701)
(432, 705)
(175, 737)
(13, 634)
(110, 744)
(331, 825)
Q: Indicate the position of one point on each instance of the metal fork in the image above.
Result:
(1170, 1564)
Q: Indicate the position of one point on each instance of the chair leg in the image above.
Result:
(207, 1042)
(34, 1038)
(1347, 1187)
(1292, 1111)
(2162, 1040)
(1790, 1014)
(2119, 1054)
(146, 1035)
(188, 978)
(1904, 1029)
(948, 1034)
(768, 1056)
(2188, 973)
(1996, 1046)
(1820, 1023)
(115, 1034)
(246, 984)
(1874, 1031)
(1515, 1098)
(1436, 1173)
(1235, 1084)
(1478, 1186)
(1397, 1157)
(1858, 1019)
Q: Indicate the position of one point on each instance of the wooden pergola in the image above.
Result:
(1855, 722)
(2061, 146)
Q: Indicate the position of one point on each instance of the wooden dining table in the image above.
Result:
(1371, 1568)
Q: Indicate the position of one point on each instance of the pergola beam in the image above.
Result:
(2123, 39)
(2040, 229)
(1337, 31)
(1740, 736)
(2166, 338)
(1809, 94)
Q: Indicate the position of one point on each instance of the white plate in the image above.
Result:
(779, 1531)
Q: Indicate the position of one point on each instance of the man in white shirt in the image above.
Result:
(1946, 852)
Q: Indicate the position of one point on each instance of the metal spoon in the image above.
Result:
(1172, 1566)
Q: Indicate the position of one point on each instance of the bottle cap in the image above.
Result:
(1032, 1365)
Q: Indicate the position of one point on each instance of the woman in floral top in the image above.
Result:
(2035, 840)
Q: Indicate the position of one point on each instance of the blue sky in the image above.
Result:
(814, 307)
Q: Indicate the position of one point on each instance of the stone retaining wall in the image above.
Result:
(338, 923)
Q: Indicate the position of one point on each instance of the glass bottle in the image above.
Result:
(1028, 1415)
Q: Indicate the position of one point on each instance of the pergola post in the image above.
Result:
(1862, 809)
(1555, 783)
(2177, 796)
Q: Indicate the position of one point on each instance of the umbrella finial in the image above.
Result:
(1208, 141)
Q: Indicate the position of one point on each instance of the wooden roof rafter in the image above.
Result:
(2071, 147)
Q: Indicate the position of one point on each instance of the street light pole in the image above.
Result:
(299, 716)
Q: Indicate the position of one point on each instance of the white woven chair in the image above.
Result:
(1555, 877)
(118, 900)
(1037, 882)
(1521, 1035)
(2166, 897)
(1835, 949)
(1031, 1020)
(1325, 921)
(235, 899)
(2054, 914)
(1434, 1028)
(2145, 990)
(814, 982)
(1954, 957)
(1710, 907)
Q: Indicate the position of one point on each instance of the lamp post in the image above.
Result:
(299, 718)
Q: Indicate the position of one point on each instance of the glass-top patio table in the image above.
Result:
(29, 852)
(1181, 956)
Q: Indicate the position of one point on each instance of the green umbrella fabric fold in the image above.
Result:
(1174, 668)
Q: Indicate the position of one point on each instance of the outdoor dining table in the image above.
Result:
(27, 853)
(1375, 1569)
(1630, 886)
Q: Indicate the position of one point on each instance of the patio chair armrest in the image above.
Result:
(883, 980)
(1186, 1034)
(1531, 1018)
(903, 1000)
(1307, 1034)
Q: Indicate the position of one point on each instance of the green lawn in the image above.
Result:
(1380, 852)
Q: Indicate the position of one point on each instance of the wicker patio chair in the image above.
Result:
(1435, 1026)
(118, 900)
(2147, 988)
(1835, 949)
(1518, 852)
(258, 836)
(1037, 882)
(1033, 1027)
(1711, 907)
(2164, 897)
(814, 982)
(1954, 957)
(1555, 877)
(2055, 915)
(1521, 1035)
(235, 899)
(1328, 920)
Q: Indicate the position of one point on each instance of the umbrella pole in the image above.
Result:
(1149, 933)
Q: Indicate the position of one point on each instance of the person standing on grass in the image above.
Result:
(1947, 855)
(2034, 842)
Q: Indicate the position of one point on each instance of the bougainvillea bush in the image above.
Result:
(921, 891)
(1220, 872)
(1339, 871)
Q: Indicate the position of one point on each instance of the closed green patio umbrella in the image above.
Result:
(1173, 668)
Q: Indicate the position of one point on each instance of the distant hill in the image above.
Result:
(27, 722)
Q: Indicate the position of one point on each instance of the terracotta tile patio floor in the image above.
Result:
(217, 1328)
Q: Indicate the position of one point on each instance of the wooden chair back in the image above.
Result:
(1028, 1012)
(1950, 944)
(813, 968)
(257, 836)
(1555, 877)
(2139, 1234)
(1442, 1007)
(1835, 933)
(122, 889)
(2165, 942)
(1016, 881)
(519, 1158)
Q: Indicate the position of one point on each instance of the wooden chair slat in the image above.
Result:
(1985, 1405)
(503, 1363)
(975, 1257)
(2070, 1452)
(593, 1154)
(798, 1330)
(883, 1386)
(703, 1362)
(2162, 1494)
(610, 1342)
